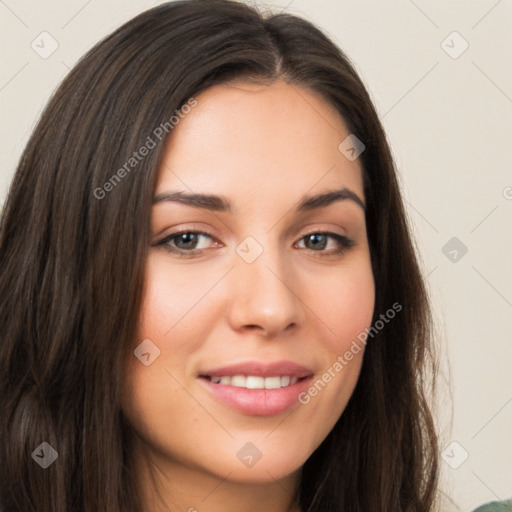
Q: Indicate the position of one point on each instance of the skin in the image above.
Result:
(263, 147)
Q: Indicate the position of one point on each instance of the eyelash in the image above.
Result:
(344, 243)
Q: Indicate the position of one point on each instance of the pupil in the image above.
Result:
(187, 237)
(316, 243)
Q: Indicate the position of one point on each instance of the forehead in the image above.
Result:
(275, 140)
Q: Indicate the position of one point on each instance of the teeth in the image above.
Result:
(238, 381)
(273, 382)
(255, 382)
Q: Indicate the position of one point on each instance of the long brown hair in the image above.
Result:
(72, 264)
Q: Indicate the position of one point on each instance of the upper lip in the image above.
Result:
(277, 368)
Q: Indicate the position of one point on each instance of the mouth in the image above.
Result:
(254, 395)
(257, 389)
(254, 381)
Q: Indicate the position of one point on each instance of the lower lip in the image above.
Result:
(258, 402)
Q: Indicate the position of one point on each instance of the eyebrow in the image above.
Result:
(222, 204)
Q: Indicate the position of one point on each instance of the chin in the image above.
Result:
(273, 465)
(261, 474)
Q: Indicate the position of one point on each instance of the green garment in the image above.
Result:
(496, 506)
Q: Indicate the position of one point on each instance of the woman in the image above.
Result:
(209, 294)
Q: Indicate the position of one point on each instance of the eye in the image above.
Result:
(318, 241)
(186, 243)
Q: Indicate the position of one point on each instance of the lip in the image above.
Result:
(260, 370)
(258, 402)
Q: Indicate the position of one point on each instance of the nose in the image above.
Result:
(264, 295)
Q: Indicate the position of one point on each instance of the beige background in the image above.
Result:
(449, 124)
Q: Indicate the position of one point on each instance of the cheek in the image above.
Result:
(166, 294)
(153, 390)
(347, 305)
(169, 310)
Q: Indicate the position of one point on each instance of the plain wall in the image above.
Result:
(448, 119)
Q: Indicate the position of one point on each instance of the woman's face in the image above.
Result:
(264, 296)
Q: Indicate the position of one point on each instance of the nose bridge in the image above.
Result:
(263, 286)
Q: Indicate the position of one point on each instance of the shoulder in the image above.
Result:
(496, 506)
